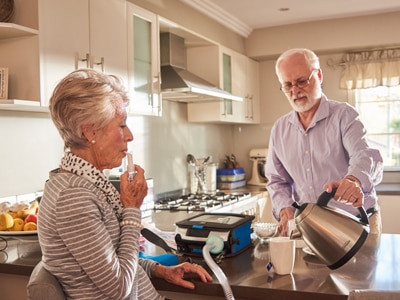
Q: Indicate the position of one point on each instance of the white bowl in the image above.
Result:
(264, 230)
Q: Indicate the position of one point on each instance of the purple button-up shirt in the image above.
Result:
(301, 161)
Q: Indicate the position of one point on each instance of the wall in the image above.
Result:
(31, 147)
(326, 36)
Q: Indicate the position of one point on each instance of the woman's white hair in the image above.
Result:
(85, 97)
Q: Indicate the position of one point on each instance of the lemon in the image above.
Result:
(18, 225)
(6, 221)
(30, 226)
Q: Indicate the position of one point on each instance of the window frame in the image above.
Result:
(352, 99)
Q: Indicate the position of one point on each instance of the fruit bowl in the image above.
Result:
(264, 230)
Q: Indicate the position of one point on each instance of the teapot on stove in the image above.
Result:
(332, 234)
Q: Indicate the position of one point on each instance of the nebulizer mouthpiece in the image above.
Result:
(214, 245)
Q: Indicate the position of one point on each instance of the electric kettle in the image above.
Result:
(332, 234)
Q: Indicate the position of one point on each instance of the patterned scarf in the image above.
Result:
(78, 166)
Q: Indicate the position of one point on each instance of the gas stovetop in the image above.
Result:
(200, 202)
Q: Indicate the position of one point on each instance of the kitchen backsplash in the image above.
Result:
(32, 147)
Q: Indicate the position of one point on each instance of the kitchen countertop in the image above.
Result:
(375, 266)
(20, 256)
(388, 189)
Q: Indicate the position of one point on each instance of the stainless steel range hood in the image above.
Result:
(177, 83)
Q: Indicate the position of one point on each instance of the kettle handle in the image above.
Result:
(325, 197)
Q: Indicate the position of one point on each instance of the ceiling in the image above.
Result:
(244, 16)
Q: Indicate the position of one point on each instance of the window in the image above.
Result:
(379, 110)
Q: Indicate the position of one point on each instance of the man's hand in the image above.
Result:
(285, 214)
(348, 191)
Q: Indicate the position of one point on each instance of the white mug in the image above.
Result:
(283, 253)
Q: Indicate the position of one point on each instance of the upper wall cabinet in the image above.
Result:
(212, 64)
(143, 61)
(232, 72)
(19, 51)
(252, 91)
(245, 83)
(78, 34)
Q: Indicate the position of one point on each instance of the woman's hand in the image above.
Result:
(132, 193)
(348, 191)
(175, 274)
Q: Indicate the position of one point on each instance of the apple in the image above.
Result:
(31, 218)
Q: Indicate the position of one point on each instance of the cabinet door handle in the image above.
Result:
(157, 83)
(251, 107)
(100, 63)
(155, 99)
(78, 59)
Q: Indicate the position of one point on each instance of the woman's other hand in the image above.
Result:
(175, 274)
(132, 193)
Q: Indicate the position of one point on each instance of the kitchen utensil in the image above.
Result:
(264, 231)
(332, 234)
(258, 156)
(211, 177)
(283, 252)
(191, 160)
(198, 172)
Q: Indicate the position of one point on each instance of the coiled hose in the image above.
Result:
(215, 245)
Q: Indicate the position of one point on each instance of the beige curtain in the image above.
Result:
(371, 69)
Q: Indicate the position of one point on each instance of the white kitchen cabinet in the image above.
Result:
(78, 34)
(252, 95)
(210, 63)
(389, 205)
(245, 83)
(232, 72)
(143, 61)
(19, 52)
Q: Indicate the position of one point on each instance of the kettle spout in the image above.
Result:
(295, 234)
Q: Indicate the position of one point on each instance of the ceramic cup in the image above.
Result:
(283, 253)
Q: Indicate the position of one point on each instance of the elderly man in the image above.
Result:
(319, 146)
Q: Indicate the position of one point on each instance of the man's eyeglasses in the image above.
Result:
(301, 84)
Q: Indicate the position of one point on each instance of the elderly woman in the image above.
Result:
(88, 231)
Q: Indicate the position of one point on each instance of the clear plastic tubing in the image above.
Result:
(215, 245)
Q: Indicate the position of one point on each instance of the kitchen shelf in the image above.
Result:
(11, 30)
(24, 108)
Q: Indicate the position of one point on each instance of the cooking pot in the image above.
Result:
(332, 234)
